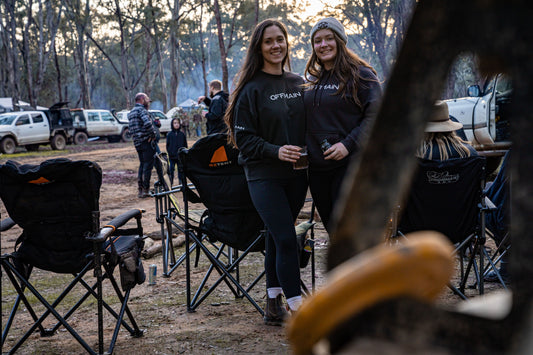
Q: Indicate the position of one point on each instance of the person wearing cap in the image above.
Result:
(341, 99)
(441, 141)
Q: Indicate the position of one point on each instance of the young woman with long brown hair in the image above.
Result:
(266, 122)
(341, 100)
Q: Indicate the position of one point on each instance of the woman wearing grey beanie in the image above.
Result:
(341, 101)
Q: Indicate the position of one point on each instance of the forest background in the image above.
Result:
(99, 53)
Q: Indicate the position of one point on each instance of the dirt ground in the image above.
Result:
(220, 325)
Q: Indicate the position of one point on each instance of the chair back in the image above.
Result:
(54, 203)
(444, 197)
(211, 165)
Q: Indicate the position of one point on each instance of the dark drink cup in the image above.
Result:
(303, 161)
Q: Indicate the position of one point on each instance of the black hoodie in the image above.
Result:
(337, 119)
(215, 116)
(269, 113)
(175, 140)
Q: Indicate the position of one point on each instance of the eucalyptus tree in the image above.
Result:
(39, 31)
(119, 36)
(377, 29)
(9, 73)
(180, 10)
(234, 22)
(78, 13)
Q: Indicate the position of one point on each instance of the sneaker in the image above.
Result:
(491, 276)
(275, 313)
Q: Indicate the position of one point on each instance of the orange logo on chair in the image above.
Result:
(40, 181)
(219, 158)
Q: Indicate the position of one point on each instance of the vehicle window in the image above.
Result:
(93, 116)
(489, 85)
(7, 119)
(23, 120)
(504, 84)
(107, 116)
(37, 117)
(159, 115)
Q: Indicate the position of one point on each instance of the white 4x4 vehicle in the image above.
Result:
(34, 128)
(484, 115)
(164, 119)
(98, 123)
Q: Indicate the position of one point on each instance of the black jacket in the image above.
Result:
(175, 140)
(269, 113)
(217, 108)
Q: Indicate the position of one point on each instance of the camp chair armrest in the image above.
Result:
(121, 220)
(487, 204)
(116, 223)
(6, 224)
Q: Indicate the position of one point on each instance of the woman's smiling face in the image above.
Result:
(273, 48)
(325, 47)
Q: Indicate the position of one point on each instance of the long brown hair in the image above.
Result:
(345, 70)
(252, 64)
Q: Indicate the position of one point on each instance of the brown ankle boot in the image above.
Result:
(275, 313)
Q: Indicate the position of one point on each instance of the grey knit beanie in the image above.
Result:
(332, 24)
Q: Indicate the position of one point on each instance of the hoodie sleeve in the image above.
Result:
(370, 97)
(247, 129)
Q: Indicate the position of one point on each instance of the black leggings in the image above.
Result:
(325, 187)
(278, 202)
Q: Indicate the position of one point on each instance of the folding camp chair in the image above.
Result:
(229, 228)
(499, 192)
(169, 213)
(56, 205)
(447, 196)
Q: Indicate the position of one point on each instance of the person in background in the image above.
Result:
(144, 140)
(157, 125)
(197, 119)
(217, 107)
(184, 120)
(341, 101)
(175, 140)
(266, 122)
(441, 141)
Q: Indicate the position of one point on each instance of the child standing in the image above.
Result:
(175, 140)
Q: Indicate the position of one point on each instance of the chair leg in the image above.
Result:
(49, 309)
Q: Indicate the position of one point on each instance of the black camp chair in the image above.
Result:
(499, 192)
(169, 213)
(56, 205)
(447, 196)
(229, 228)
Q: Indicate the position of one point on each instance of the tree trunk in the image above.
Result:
(26, 54)
(174, 57)
(202, 50)
(156, 38)
(11, 49)
(223, 53)
(58, 72)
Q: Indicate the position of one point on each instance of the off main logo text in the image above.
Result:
(284, 95)
(326, 87)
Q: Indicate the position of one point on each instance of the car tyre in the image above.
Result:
(58, 142)
(80, 138)
(126, 136)
(8, 145)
